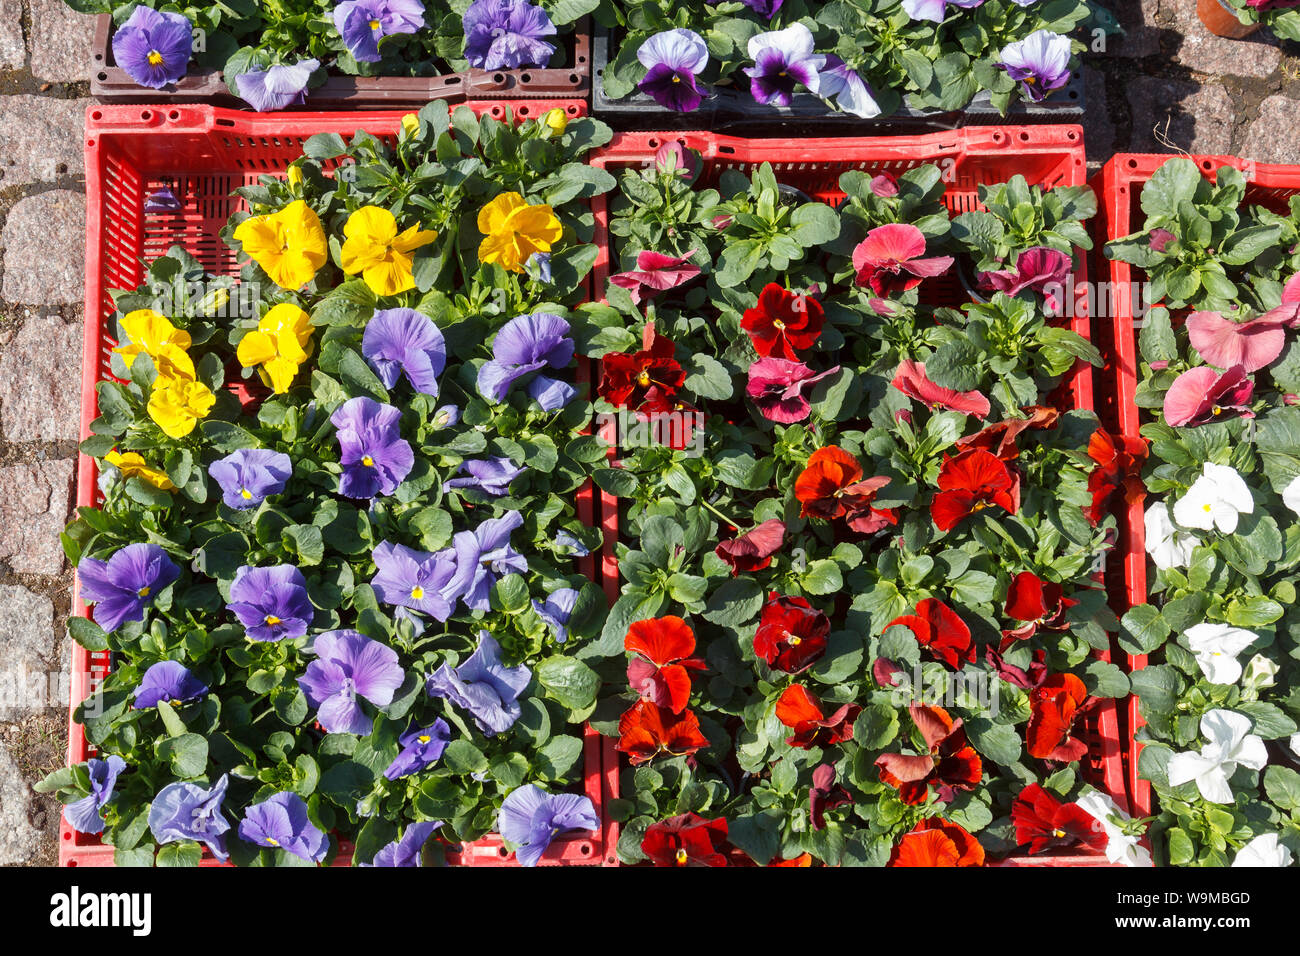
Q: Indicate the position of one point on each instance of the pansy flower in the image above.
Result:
(783, 321)
(121, 587)
(753, 550)
(483, 686)
(647, 730)
(84, 815)
(791, 634)
(349, 666)
(281, 822)
(849, 89)
(687, 839)
(556, 611)
(1054, 708)
(1119, 465)
(803, 714)
(153, 46)
(936, 842)
(1201, 395)
(1036, 603)
(152, 333)
(1216, 647)
(507, 34)
(186, 811)
(526, 344)
(655, 272)
(911, 379)
(950, 761)
(421, 747)
(178, 401)
(673, 59)
(404, 341)
(248, 476)
(659, 672)
(1121, 847)
(890, 260)
(940, 630)
(777, 387)
(1229, 742)
(831, 486)
(1263, 851)
(1040, 63)
(289, 245)
(278, 346)
(412, 579)
(679, 159)
(278, 86)
(132, 465)
(1226, 344)
(375, 457)
(406, 851)
(484, 555)
(271, 603)
(970, 482)
(1003, 438)
(783, 60)
(492, 476)
(627, 379)
(363, 23)
(1039, 269)
(1168, 545)
(1215, 500)
(531, 818)
(1044, 822)
(825, 794)
(374, 247)
(515, 230)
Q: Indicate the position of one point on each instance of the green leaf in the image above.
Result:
(87, 633)
(558, 758)
(737, 602)
(187, 754)
(181, 853)
(1144, 630)
(569, 681)
(462, 757)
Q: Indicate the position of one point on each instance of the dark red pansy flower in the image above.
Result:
(626, 379)
(686, 840)
(647, 730)
(1119, 465)
(1044, 822)
(1024, 679)
(884, 671)
(671, 423)
(912, 380)
(791, 634)
(950, 762)
(1035, 602)
(1001, 439)
(970, 482)
(783, 321)
(890, 260)
(935, 842)
(939, 629)
(753, 550)
(831, 486)
(825, 795)
(802, 713)
(1054, 707)
(658, 673)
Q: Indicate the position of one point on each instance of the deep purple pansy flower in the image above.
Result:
(121, 586)
(279, 86)
(538, 267)
(421, 747)
(1040, 63)
(363, 23)
(556, 611)
(524, 345)
(281, 822)
(153, 47)
(850, 91)
(84, 815)
(491, 476)
(936, 11)
(271, 603)
(375, 457)
(507, 34)
(169, 681)
(185, 811)
(162, 199)
(349, 665)
(403, 340)
(483, 686)
(483, 555)
(531, 818)
(414, 579)
(406, 851)
(248, 476)
(673, 59)
(783, 59)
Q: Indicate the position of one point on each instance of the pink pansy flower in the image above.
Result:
(1160, 239)
(1201, 395)
(1225, 343)
(884, 185)
(777, 387)
(889, 260)
(1039, 269)
(656, 272)
(911, 380)
(753, 550)
(1291, 291)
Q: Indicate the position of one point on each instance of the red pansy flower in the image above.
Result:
(655, 272)
(659, 673)
(951, 761)
(941, 630)
(802, 713)
(825, 795)
(1055, 705)
(803, 859)
(831, 486)
(686, 840)
(912, 381)
(672, 423)
(935, 842)
(627, 379)
(1119, 464)
(1036, 602)
(970, 482)
(1039, 269)
(791, 634)
(1044, 822)
(753, 550)
(1001, 438)
(647, 730)
(889, 260)
(1025, 680)
(783, 321)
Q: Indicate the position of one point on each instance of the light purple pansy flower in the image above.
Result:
(404, 340)
(375, 457)
(483, 686)
(153, 47)
(349, 665)
(277, 87)
(414, 579)
(571, 544)
(406, 851)
(556, 611)
(673, 59)
(531, 818)
(363, 23)
(446, 416)
(507, 34)
(248, 476)
(169, 681)
(491, 476)
(185, 811)
(483, 555)
(281, 822)
(84, 815)
(271, 603)
(421, 747)
(122, 586)
(783, 59)
(538, 267)
(850, 91)
(936, 10)
(1040, 63)
(524, 345)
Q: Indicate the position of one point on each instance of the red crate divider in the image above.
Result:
(1046, 156)
(1120, 185)
(205, 153)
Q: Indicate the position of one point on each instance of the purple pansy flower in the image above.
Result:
(492, 476)
(764, 8)
(121, 586)
(162, 199)
(413, 579)
(937, 10)
(185, 811)
(1040, 269)
(483, 555)
(271, 603)
(483, 686)
(277, 87)
(524, 345)
(349, 665)
(1040, 62)
(507, 34)
(447, 416)
(571, 543)
(83, 815)
(849, 89)
(538, 267)
(248, 476)
(783, 59)
(531, 818)
(421, 747)
(363, 23)
(406, 851)
(169, 681)
(153, 47)
(281, 822)
(673, 59)
(403, 340)
(556, 611)
(375, 457)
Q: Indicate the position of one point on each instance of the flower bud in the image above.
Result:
(556, 120)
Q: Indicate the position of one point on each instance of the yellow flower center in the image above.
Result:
(374, 25)
(1217, 411)
(681, 857)
(778, 323)
(1058, 833)
(643, 379)
(417, 592)
(368, 461)
(272, 620)
(245, 494)
(155, 58)
(424, 738)
(273, 841)
(144, 591)
(676, 78)
(1206, 508)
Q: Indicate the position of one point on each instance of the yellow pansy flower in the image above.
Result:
(152, 333)
(374, 248)
(411, 124)
(132, 465)
(556, 120)
(289, 245)
(294, 176)
(515, 230)
(280, 344)
(178, 401)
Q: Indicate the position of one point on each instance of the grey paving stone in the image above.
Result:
(1098, 128)
(35, 499)
(1198, 49)
(31, 673)
(44, 249)
(12, 51)
(1172, 115)
(60, 42)
(1271, 137)
(40, 380)
(19, 840)
(40, 139)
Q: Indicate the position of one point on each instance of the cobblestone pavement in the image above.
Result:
(1166, 86)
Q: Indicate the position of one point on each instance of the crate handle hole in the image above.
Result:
(526, 78)
(1024, 136)
(146, 114)
(498, 77)
(584, 849)
(103, 77)
(726, 149)
(573, 110)
(573, 77)
(502, 852)
(174, 114)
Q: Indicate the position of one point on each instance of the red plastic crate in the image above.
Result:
(1120, 185)
(206, 153)
(1046, 156)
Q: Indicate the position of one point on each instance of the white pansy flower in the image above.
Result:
(1168, 547)
(1294, 744)
(1291, 495)
(1261, 672)
(1215, 500)
(1230, 743)
(1121, 847)
(1264, 850)
(1216, 647)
